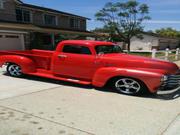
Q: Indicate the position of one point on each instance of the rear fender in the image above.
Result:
(151, 79)
(26, 64)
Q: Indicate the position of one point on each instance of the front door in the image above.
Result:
(75, 61)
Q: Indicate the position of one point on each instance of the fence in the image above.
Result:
(169, 55)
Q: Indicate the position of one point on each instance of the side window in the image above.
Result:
(75, 49)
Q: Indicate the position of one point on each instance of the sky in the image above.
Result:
(163, 13)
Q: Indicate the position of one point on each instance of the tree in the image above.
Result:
(124, 19)
(107, 34)
(168, 32)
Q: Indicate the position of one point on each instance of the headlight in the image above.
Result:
(164, 78)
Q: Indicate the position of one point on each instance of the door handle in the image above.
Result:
(62, 56)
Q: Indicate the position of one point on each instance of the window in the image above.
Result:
(74, 23)
(23, 15)
(1, 4)
(50, 20)
(76, 49)
(105, 49)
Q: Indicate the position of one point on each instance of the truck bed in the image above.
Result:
(41, 58)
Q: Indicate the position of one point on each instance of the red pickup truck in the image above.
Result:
(94, 62)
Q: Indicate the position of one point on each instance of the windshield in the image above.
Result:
(105, 49)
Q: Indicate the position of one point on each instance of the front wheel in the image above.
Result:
(14, 70)
(128, 86)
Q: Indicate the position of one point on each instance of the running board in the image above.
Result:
(51, 76)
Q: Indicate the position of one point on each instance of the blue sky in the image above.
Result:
(164, 13)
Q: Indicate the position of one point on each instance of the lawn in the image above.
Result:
(159, 55)
(148, 54)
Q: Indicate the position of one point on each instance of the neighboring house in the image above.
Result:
(154, 41)
(25, 26)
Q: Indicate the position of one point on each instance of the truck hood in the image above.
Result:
(133, 61)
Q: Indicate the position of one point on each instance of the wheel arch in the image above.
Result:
(152, 80)
(27, 65)
(118, 77)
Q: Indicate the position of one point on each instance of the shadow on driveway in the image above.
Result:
(169, 96)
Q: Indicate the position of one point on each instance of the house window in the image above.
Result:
(74, 23)
(50, 20)
(23, 15)
(1, 4)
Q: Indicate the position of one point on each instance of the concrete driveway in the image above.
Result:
(37, 106)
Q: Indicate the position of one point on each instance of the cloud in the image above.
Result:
(162, 22)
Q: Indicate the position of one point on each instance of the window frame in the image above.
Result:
(90, 52)
(75, 23)
(44, 19)
(23, 12)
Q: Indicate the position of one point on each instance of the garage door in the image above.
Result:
(11, 41)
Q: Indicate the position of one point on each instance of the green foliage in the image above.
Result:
(168, 32)
(123, 19)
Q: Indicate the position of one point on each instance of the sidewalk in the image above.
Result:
(178, 63)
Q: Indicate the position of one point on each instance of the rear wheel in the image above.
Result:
(128, 86)
(14, 70)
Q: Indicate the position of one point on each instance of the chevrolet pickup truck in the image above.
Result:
(94, 63)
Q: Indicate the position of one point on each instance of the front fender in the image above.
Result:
(26, 64)
(151, 78)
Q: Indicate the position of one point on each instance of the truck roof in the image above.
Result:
(86, 42)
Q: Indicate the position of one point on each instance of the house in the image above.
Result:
(25, 26)
(151, 41)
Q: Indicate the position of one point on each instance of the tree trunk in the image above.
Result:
(128, 46)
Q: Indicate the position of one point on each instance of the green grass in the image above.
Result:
(141, 54)
(147, 54)
(158, 55)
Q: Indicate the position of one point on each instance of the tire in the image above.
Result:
(128, 86)
(14, 70)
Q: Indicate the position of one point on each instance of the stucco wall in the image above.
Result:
(144, 44)
(148, 42)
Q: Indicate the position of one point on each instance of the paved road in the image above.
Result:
(36, 106)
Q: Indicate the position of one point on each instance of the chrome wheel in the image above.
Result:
(14, 70)
(128, 86)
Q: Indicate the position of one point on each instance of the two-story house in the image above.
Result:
(25, 26)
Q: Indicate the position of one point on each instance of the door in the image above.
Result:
(75, 61)
(11, 41)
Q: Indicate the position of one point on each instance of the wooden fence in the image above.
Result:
(169, 55)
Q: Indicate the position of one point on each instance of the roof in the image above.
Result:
(145, 33)
(157, 35)
(34, 28)
(49, 9)
(19, 1)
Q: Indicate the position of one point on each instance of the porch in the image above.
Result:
(40, 37)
